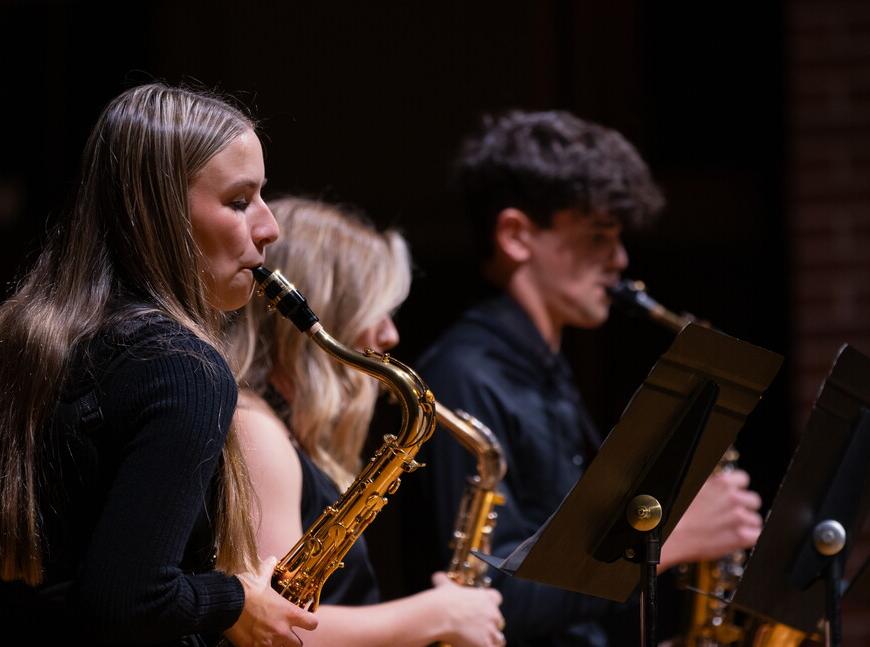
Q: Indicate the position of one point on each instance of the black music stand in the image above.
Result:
(794, 574)
(669, 439)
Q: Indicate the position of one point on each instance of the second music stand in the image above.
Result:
(794, 574)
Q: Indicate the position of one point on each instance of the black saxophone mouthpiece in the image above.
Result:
(261, 274)
(284, 296)
(630, 297)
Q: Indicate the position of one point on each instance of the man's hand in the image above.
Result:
(723, 518)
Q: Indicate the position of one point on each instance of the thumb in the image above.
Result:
(440, 579)
(267, 567)
(304, 619)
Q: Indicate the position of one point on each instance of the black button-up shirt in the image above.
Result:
(495, 365)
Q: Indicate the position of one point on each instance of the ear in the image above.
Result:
(513, 230)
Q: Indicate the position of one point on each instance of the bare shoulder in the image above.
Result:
(275, 472)
(250, 401)
(264, 436)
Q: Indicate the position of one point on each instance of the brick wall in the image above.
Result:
(828, 148)
(829, 185)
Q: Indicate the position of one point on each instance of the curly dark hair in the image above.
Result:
(543, 162)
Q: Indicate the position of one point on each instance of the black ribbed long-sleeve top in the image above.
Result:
(129, 506)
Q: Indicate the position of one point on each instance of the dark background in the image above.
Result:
(366, 102)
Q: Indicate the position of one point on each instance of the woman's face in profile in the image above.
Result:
(381, 337)
(231, 223)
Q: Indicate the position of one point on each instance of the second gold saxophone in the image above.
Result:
(475, 520)
(303, 571)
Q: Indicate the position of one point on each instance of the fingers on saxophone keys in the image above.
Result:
(737, 478)
(748, 499)
(499, 636)
(747, 536)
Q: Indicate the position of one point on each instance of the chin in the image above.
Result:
(237, 296)
(228, 304)
(236, 304)
(592, 318)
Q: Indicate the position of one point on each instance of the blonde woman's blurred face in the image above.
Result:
(231, 223)
(381, 337)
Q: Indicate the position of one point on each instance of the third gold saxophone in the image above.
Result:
(711, 622)
(302, 572)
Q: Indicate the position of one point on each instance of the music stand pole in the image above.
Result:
(644, 514)
(635, 531)
(829, 539)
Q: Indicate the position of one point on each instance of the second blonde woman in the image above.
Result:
(304, 417)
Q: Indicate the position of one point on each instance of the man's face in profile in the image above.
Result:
(573, 262)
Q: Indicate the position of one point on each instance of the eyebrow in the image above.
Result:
(246, 183)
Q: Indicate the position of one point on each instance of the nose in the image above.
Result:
(264, 227)
(619, 258)
(387, 335)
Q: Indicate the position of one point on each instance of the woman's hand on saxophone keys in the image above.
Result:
(267, 619)
(474, 619)
(722, 518)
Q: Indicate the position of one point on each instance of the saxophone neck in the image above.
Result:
(631, 297)
(414, 397)
(477, 439)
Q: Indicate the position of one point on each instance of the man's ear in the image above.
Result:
(513, 229)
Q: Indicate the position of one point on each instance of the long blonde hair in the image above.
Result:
(352, 275)
(127, 239)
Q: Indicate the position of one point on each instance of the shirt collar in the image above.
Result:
(506, 318)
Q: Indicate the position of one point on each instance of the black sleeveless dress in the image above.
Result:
(355, 584)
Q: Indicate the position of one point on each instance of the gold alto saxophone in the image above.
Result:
(776, 635)
(711, 622)
(475, 520)
(301, 574)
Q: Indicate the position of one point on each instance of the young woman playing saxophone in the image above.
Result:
(123, 497)
(304, 417)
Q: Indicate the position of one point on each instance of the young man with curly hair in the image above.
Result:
(548, 196)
